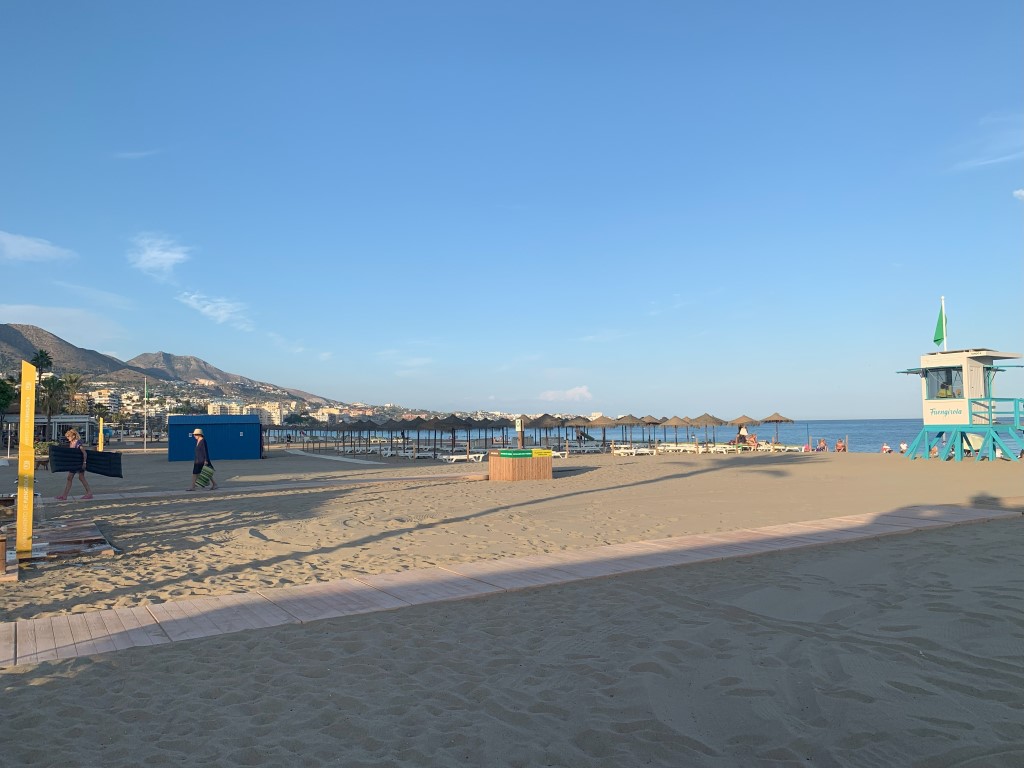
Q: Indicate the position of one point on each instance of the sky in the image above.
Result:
(573, 206)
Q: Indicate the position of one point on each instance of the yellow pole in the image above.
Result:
(99, 443)
(26, 460)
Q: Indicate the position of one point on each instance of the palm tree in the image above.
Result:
(72, 385)
(51, 398)
(42, 361)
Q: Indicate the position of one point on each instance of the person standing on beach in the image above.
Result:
(202, 459)
(75, 441)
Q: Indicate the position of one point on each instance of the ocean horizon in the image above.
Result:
(860, 435)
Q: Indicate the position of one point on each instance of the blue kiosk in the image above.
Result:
(229, 437)
(961, 414)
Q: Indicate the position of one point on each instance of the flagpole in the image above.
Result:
(145, 411)
(942, 299)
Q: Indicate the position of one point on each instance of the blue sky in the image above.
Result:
(651, 207)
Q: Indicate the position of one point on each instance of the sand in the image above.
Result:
(897, 651)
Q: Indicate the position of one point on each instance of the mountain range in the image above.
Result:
(21, 342)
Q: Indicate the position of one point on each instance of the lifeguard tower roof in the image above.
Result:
(978, 354)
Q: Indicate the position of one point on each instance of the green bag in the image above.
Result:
(205, 476)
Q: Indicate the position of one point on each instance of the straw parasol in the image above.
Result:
(652, 422)
(629, 420)
(603, 422)
(547, 422)
(707, 420)
(743, 421)
(677, 422)
(776, 419)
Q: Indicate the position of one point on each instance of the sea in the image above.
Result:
(860, 435)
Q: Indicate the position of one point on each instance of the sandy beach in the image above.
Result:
(897, 651)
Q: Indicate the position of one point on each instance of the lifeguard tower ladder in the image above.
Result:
(962, 417)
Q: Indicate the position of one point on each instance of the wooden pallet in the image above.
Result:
(68, 538)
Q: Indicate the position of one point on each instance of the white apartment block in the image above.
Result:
(225, 408)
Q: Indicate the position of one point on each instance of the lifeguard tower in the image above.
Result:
(962, 416)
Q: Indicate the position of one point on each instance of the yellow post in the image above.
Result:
(26, 459)
(99, 443)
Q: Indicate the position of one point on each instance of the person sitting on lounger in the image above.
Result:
(822, 445)
(886, 448)
(903, 446)
(840, 446)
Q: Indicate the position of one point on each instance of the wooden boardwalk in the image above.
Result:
(80, 634)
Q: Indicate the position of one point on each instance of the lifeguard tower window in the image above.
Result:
(944, 383)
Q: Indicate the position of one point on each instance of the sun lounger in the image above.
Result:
(451, 458)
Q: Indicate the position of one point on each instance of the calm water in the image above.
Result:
(864, 435)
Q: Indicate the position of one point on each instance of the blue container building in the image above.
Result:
(228, 437)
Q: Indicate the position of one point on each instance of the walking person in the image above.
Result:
(75, 441)
(202, 459)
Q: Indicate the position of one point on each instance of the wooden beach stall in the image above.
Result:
(520, 464)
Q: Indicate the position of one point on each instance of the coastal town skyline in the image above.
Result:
(574, 209)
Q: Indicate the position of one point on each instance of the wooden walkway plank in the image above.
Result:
(54, 636)
(8, 644)
(198, 611)
(84, 644)
(514, 573)
(427, 585)
(177, 623)
(115, 629)
(25, 630)
(142, 628)
(102, 639)
(46, 640)
(236, 613)
(298, 603)
(952, 514)
(312, 602)
(350, 597)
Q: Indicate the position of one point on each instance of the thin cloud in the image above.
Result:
(219, 310)
(138, 155)
(573, 395)
(603, 337)
(157, 256)
(96, 296)
(1019, 194)
(1000, 140)
(280, 342)
(21, 248)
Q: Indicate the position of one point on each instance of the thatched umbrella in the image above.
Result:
(603, 422)
(451, 423)
(707, 420)
(577, 422)
(676, 422)
(776, 419)
(629, 420)
(743, 421)
(547, 422)
(652, 422)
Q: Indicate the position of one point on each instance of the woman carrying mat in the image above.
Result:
(76, 442)
(202, 460)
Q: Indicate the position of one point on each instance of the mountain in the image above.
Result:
(21, 342)
(186, 368)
